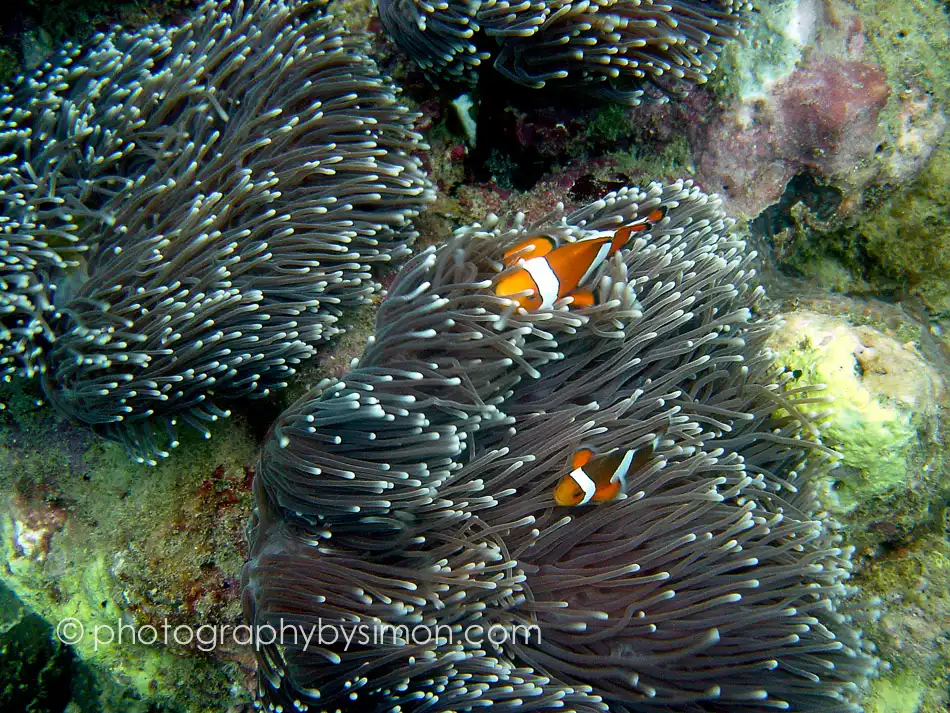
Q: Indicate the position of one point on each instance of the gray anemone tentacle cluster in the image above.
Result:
(405, 515)
(187, 212)
(612, 48)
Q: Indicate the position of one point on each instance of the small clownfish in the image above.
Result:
(551, 273)
(600, 479)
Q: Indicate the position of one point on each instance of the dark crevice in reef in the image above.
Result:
(64, 19)
(497, 146)
(31, 28)
(821, 200)
(804, 231)
(38, 673)
(522, 135)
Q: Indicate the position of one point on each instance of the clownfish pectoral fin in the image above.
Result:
(538, 246)
(582, 298)
(622, 236)
(608, 492)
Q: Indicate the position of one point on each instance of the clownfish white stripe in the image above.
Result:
(595, 263)
(585, 483)
(544, 277)
(622, 469)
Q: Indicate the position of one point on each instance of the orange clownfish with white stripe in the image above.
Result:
(600, 479)
(550, 272)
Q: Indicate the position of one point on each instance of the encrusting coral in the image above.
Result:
(407, 509)
(188, 211)
(614, 48)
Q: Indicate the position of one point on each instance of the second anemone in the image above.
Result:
(615, 49)
(198, 206)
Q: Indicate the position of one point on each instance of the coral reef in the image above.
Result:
(814, 103)
(873, 159)
(30, 30)
(849, 98)
(618, 49)
(37, 672)
(188, 217)
(822, 119)
(85, 533)
(417, 492)
(908, 589)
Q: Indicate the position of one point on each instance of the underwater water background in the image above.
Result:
(823, 129)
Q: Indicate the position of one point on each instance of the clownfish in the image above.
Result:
(551, 273)
(600, 479)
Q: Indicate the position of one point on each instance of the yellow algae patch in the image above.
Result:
(883, 393)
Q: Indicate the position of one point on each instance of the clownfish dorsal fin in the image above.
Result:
(581, 458)
(535, 246)
(645, 454)
(623, 234)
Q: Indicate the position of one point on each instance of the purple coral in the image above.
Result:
(823, 118)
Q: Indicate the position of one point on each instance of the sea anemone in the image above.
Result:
(405, 517)
(616, 49)
(222, 191)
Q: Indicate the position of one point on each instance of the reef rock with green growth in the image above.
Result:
(909, 236)
(884, 394)
(907, 590)
(89, 539)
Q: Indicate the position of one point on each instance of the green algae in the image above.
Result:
(911, 41)
(128, 544)
(769, 50)
(9, 65)
(672, 160)
(610, 124)
(37, 672)
(910, 588)
(65, 19)
(901, 693)
(502, 167)
(898, 245)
